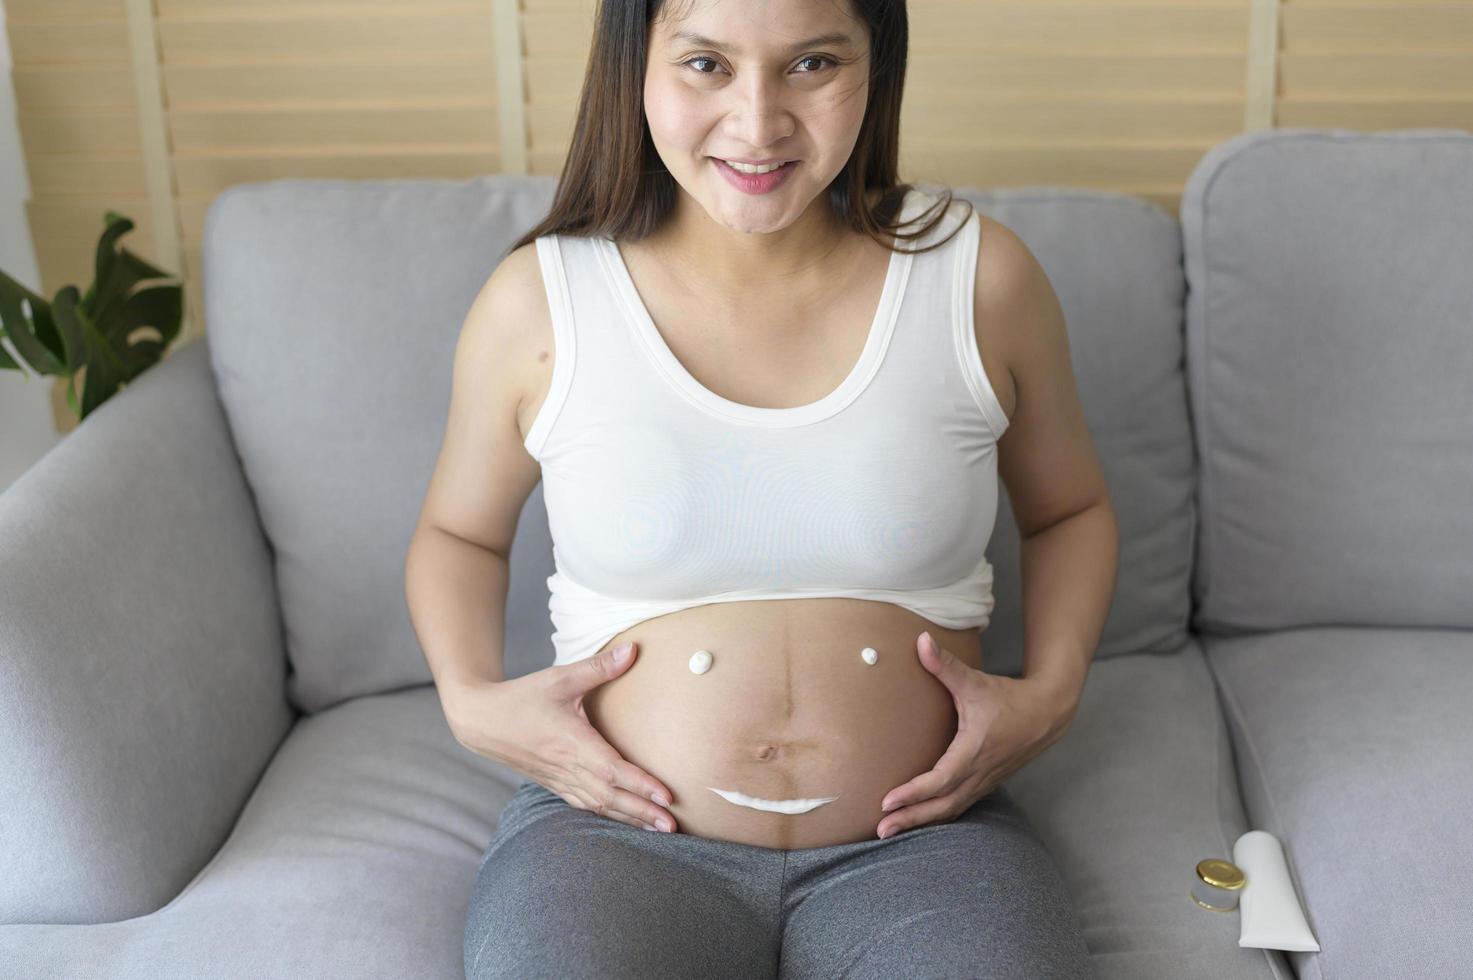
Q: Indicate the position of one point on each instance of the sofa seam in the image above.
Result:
(1232, 707)
(1206, 493)
(782, 926)
(1221, 731)
(476, 961)
(1230, 703)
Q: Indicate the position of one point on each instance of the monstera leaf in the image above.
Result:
(115, 331)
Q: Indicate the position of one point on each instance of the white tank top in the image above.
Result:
(662, 495)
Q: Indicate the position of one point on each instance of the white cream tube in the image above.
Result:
(1269, 910)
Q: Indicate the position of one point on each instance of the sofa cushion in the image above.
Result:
(1354, 748)
(1330, 346)
(141, 665)
(356, 854)
(1140, 788)
(354, 857)
(1115, 263)
(334, 307)
(333, 310)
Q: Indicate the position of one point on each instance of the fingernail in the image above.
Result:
(621, 653)
(886, 806)
(886, 832)
(660, 799)
(664, 824)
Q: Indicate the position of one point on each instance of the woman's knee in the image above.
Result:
(978, 897)
(574, 894)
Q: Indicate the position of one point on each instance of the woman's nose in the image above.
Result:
(761, 117)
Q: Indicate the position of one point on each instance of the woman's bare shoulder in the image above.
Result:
(484, 474)
(513, 323)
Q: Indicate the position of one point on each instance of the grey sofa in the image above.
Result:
(221, 756)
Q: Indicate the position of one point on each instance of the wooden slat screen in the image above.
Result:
(1115, 94)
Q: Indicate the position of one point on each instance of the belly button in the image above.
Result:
(765, 752)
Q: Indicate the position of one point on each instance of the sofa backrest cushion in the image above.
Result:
(1330, 352)
(333, 309)
(1115, 262)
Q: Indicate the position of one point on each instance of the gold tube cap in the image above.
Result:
(1217, 884)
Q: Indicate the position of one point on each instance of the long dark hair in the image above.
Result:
(615, 185)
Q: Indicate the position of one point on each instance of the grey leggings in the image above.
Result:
(564, 892)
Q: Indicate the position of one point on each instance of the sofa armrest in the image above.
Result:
(142, 672)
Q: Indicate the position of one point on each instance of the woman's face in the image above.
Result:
(756, 80)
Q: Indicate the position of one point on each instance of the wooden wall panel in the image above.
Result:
(1394, 64)
(258, 91)
(244, 91)
(1108, 94)
(77, 116)
(152, 107)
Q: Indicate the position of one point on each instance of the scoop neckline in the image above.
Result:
(881, 329)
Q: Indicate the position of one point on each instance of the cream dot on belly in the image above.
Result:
(869, 655)
(700, 661)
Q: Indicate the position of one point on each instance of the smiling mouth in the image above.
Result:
(774, 806)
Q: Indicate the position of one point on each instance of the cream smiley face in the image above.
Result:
(700, 662)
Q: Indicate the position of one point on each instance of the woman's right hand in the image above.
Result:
(535, 724)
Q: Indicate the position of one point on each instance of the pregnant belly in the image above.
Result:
(789, 712)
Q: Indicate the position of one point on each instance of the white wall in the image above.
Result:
(26, 430)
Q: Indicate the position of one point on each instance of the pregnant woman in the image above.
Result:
(764, 385)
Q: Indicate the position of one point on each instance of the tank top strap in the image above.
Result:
(599, 369)
(565, 349)
(934, 354)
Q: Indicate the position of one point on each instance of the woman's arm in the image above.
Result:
(1070, 539)
(456, 571)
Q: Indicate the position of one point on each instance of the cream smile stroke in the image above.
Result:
(776, 806)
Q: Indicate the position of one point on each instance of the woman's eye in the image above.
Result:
(691, 62)
(817, 57)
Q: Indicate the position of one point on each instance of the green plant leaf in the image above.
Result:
(34, 336)
(114, 332)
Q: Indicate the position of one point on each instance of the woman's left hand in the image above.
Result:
(1003, 723)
